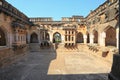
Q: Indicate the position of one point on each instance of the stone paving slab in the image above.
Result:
(56, 65)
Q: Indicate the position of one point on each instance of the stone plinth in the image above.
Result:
(9, 55)
(115, 71)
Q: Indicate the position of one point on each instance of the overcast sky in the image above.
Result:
(55, 8)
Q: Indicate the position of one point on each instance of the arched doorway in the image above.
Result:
(56, 37)
(110, 39)
(2, 38)
(79, 38)
(95, 36)
(34, 38)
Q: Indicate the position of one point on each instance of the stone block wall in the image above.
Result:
(9, 55)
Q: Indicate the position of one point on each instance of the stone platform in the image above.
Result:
(57, 65)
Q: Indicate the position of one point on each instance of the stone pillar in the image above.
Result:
(28, 37)
(62, 38)
(25, 39)
(117, 38)
(67, 31)
(19, 39)
(85, 38)
(74, 37)
(67, 37)
(39, 38)
(51, 38)
(44, 34)
(102, 39)
(10, 36)
(99, 37)
(91, 38)
(16, 34)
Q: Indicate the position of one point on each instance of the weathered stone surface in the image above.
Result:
(8, 55)
(57, 65)
(115, 71)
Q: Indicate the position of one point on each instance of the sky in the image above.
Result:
(56, 8)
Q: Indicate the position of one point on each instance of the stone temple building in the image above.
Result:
(17, 31)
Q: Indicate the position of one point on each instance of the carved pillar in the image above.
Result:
(67, 37)
(67, 31)
(102, 39)
(62, 38)
(28, 37)
(74, 37)
(91, 38)
(44, 34)
(16, 37)
(51, 37)
(39, 38)
(85, 38)
(10, 36)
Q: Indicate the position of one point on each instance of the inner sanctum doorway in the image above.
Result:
(2, 38)
(57, 38)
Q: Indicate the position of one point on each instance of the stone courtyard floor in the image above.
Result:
(57, 65)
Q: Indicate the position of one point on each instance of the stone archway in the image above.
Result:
(56, 37)
(34, 38)
(95, 33)
(79, 38)
(2, 38)
(110, 39)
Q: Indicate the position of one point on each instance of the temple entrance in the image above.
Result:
(95, 37)
(56, 37)
(2, 38)
(34, 38)
(79, 38)
(110, 39)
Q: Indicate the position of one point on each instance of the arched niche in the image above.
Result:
(2, 38)
(34, 38)
(79, 38)
(110, 39)
(56, 37)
